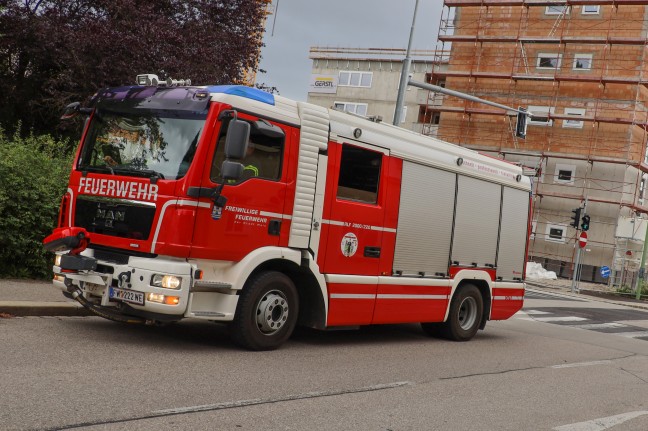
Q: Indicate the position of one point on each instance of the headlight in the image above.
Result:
(166, 281)
(57, 260)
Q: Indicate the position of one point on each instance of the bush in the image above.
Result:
(33, 178)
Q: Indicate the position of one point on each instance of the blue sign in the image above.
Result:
(605, 271)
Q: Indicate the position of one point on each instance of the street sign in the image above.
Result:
(582, 241)
(605, 271)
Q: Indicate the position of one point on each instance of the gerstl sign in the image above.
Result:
(323, 84)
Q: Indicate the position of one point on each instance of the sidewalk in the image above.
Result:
(41, 298)
(591, 291)
(36, 298)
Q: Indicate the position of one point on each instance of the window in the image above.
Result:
(591, 10)
(540, 116)
(359, 174)
(355, 79)
(262, 160)
(550, 60)
(564, 174)
(354, 108)
(142, 142)
(582, 62)
(556, 10)
(574, 123)
(555, 233)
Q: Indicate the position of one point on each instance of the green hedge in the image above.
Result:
(33, 177)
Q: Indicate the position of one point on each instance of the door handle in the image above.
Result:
(371, 251)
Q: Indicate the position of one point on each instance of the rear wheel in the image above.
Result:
(266, 312)
(464, 318)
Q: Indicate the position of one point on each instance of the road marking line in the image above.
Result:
(601, 424)
(256, 401)
(600, 325)
(632, 334)
(581, 364)
(561, 319)
(534, 312)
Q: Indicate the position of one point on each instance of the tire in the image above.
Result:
(464, 318)
(266, 313)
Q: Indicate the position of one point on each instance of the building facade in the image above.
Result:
(364, 81)
(581, 69)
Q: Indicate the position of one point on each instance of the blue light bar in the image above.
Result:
(243, 91)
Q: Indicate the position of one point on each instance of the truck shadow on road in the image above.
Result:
(192, 335)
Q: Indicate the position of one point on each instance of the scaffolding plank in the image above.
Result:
(463, 3)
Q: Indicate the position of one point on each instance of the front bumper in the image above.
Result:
(95, 276)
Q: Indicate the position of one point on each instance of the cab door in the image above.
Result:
(254, 214)
(354, 213)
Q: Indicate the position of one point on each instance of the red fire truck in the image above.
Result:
(230, 204)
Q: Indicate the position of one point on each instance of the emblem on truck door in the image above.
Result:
(349, 244)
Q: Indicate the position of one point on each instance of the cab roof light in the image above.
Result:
(243, 91)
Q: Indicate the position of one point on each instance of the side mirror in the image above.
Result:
(70, 111)
(238, 135)
(231, 171)
(74, 109)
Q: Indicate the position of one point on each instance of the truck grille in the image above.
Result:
(115, 217)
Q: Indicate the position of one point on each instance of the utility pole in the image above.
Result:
(443, 90)
(402, 86)
(576, 273)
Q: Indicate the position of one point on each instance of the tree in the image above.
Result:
(53, 52)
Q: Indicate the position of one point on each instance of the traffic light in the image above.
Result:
(576, 218)
(521, 123)
(585, 222)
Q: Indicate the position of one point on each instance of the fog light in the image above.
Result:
(166, 281)
(57, 260)
(58, 277)
(163, 299)
(155, 297)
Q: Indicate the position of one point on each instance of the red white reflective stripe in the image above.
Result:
(384, 296)
(508, 298)
(275, 215)
(353, 225)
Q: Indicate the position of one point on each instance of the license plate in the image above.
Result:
(126, 295)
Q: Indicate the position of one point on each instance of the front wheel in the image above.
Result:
(266, 313)
(464, 318)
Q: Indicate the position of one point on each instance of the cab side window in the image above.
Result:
(359, 174)
(262, 159)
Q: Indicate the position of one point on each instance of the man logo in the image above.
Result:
(108, 217)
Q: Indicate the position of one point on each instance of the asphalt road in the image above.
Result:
(526, 373)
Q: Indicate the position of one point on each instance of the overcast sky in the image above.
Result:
(300, 24)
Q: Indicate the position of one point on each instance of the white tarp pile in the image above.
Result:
(535, 271)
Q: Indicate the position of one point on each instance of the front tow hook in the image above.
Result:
(77, 294)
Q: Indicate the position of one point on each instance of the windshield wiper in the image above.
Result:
(150, 173)
(89, 168)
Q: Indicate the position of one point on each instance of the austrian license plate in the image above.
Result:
(126, 295)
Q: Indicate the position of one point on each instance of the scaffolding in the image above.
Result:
(580, 67)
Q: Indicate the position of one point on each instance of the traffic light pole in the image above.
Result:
(576, 273)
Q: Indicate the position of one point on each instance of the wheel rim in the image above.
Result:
(467, 313)
(272, 312)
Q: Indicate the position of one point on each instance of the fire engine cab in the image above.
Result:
(230, 204)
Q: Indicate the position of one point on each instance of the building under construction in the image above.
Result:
(580, 67)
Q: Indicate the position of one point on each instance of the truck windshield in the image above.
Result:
(152, 143)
